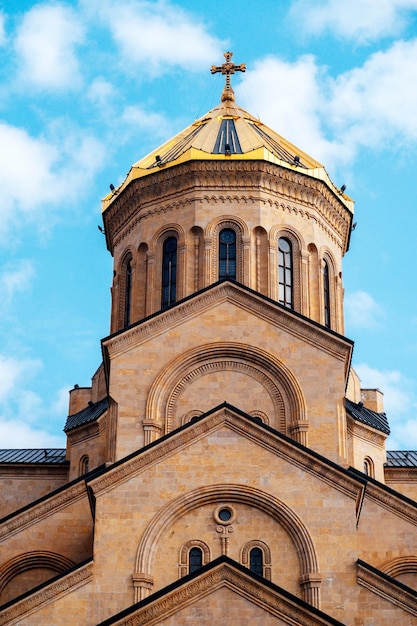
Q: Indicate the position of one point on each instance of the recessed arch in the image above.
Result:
(278, 380)
(400, 565)
(38, 559)
(233, 493)
(297, 247)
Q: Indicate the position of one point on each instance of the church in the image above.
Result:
(225, 463)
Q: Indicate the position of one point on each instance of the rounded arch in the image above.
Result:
(298, 246)
(283, 387)
(241, 229)
(185, 551)
(245, 555)
(38, 559)
(245, 494)
(369, 467)
(124, 281)
(156, 252)
(328, 278)
(400, 565)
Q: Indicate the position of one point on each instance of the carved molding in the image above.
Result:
(366, 433)
(282, 447)
(47, 594)
(392, 502)
(222, 575)
(400, 474)
(386, 589)
(229, 365)
(302, 328)
(260, 182)
(51, 505)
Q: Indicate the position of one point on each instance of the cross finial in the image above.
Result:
(228, 68)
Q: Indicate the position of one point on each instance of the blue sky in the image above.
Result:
(89, 87)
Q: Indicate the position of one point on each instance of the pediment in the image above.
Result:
(245, 302)
(202, 597)
(227, 422)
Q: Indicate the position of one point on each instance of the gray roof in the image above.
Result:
(371, 418)
(402, 458)
(40, 455)
(89, 414)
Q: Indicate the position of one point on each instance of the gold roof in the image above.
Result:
(227, 132)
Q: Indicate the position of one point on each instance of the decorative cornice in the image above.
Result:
(298, 326)
(271, 599)
(400, 474)
(366, 433)
(246, 181)
(388, 589)
(48, 593)
(43, 508)
(401, 506)
(281, 446)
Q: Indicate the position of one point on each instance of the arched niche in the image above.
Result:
(310, 579)
(210, 367)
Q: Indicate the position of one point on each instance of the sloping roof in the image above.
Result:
(32, 455)
(370, 418)
(402, 458)
(276, 603)
(228, 132)
(89, 414)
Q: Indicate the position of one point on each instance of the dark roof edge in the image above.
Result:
(300, 316)
(206, 568)
(389, 579)
(360, 478)
(25, 595)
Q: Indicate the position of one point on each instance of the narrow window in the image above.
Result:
(169, 272)
(256, 564)
(195, 560)
(368, 467)
(326, 295)
(285, 286)
(128, 293)
(84, 465)
(227, 254)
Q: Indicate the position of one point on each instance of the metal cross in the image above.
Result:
(228, 68)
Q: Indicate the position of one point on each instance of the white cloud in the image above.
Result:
(399, 403)
(20, 407)
(333, 118)
(292, 98)
(362, 311)
(15, 277)
(13, 372)
(2, 29)
(359, 20)
(46, 43)
(140, 118)
(51, 170)
(377, 101)
(158, 35)
(14, 434)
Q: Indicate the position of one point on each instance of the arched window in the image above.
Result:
(195, 559)
(326, 294)
(128, 293)
(169, 272)
(84, 465)
(285, 271)
(256, 561)
(256, 555)
(227, 253)
(368, 467)
(193, 555)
